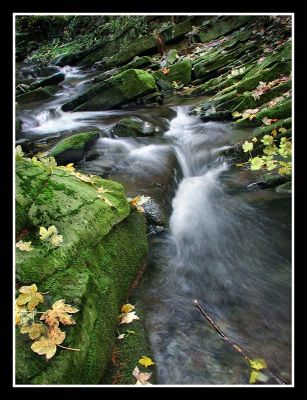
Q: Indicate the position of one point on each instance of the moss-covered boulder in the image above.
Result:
(36, 95)
(179, 72)
(73, 148)
(103, 248)
(134, 127)
(118, 90)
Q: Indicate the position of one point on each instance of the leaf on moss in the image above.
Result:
(35, 330)
(22, 315)
(146, 361)
(141, 377)
(59, 313)
(29, 295)
(19, 153)
(128, 318)
(24, 246)
(247, 146)
(126, 308)
(47, 345)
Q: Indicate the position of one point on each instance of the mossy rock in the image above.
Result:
(73, 148)
(281, 110)
(115, 91)
(219, 28)
(103, 249)
(179, 72)
(37, 95)
(49, 81)
(284, 188)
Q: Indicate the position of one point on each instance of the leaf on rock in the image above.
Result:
(48, 344)
(126, 308)
(127, 318)
(267, 140)
(106, 200)
(258, 363)
(19, 153)
(138, 201)
(256, 163)
(30, 295)
(146, 361)
(34, 330)
(141, 377)
(24, 246)
(59, 313)
(21, 314)
(247, 146)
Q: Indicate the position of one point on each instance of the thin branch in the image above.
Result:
(68, 348)
(233, 344)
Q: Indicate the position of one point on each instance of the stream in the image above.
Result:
(228, 246)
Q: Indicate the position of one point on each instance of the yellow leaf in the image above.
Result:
(120, 337)
(274, 133)
(258, 363)
(21, 315)
(129, 317)
(30, 295)
(56, 240)
(19, 153)
(44, 346)
(236, 114)
(257, 376)
(45, 234)
(106, 200)
(146, 361)
(282, 130)
(127, 308)
(252, 116)
(35, 330)
(24, 246)
(70, 167)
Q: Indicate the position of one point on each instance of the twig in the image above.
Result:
(68, 348)
(233, 344)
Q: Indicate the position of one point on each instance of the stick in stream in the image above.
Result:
(233, 344)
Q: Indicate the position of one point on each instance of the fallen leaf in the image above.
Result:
(106, 200)
(256, 163)
(247, 146)
(59, 313)
(258, 363)
(30, 295)
(19, 153)
(267, 121)
(165, 70)
(21, 315)
(56, 240)
(141, 377)
(126, 308)
(282, 130)
(274, 132)
(46, 233)
(146, 361)
(24, 246)
(120, 337)
(48, 344)
(129, 317)
(257, 376)
(35, 330)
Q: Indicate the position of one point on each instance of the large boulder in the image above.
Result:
(115, 91)
(179, 72)
(103, 248)
(73, 148)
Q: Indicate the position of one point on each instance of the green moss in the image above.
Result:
(281, 110)
(75, 142)
(284, 188)
(266, 130)
(96, 282)
(117, 90)
(128, 351)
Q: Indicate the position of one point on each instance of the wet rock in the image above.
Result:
(115, 91)
(92, 155)
(51, 80)
(154, 213)
(37, 94)
(73, 148)
(210, 115)
(171, 56)
(284, 188)
(135, 127)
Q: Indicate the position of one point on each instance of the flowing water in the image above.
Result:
(226, 246)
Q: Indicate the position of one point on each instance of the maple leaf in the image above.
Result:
(45, 234)
(34, 330)
(127, 308)
(59, 313)
(83, 177)
(274, 132)
(236, 114)
(138, 201)
(247, 146)
(267, 140)
(165, 70)
(146, 361)
(48, 344)
(256, 163)
(257, 376)
(106, 200)
(69, 167)
(30, 295)
(282, 130)
(127, 318)
(258, 363)
(270, 164)
(101, 189)
(56, 240)
(141, 377)
(21, 315)
(24, 246)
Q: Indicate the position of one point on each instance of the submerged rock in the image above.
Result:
(115, 91)
(103, 248)
(135, 127)
(73, 148)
